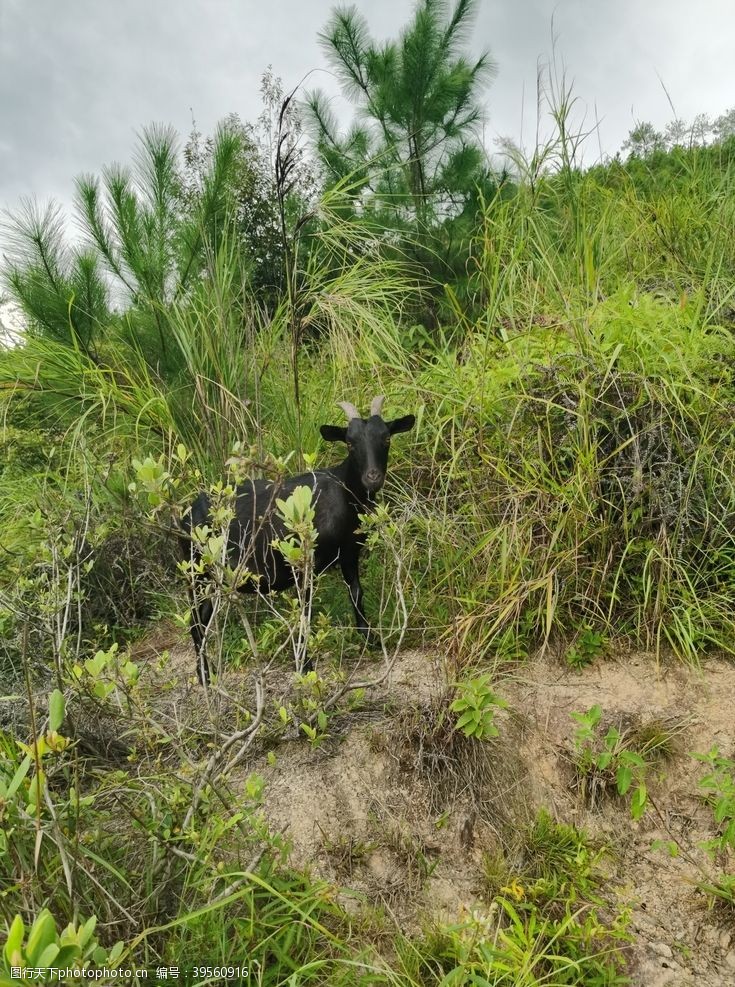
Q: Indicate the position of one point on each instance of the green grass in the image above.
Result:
(570, 479)
(543, 923)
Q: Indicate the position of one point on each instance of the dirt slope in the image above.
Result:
(403, 818)
(364, 811)
(678, 940)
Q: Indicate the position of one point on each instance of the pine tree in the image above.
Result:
(413, 145)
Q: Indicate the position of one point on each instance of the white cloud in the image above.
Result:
(76, 84)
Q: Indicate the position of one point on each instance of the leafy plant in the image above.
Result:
(153, 478)
(476, 706)
(23, 783)
(107, 671)
(318, 733)
(588, 646)
(297, 513)
(45, 947)
(719, 786)
(605, 761)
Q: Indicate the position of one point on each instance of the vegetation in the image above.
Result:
(565, 338)
(609, 761)
(544, 923)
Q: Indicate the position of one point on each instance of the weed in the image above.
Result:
(560, 858)
(607, 762)
(511, 644)
(346, 853)
(544, 921)
(656, 740)
(719, 786)
(476, 706)
(720, 891)
(495, 873)
(417, 858)
(453, 765)
(588, 645)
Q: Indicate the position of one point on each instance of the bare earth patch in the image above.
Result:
(404, 820)
(678, 940)
(359, 813)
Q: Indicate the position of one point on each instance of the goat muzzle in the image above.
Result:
(373, 480)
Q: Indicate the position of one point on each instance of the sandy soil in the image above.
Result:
(375, 810)
(678, 941)
(358, 811)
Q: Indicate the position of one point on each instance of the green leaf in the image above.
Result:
(18, 777)
(630, 757)
(49, 955)
(115, 953)
(41, 935)
(465, 718)
(625, 780)
(67, 955)
(14, 941)
(669, 845)
(56, 707)
(638, 803)
(612, 737)
(86, 931)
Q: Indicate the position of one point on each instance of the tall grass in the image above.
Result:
(573, 455)
(572, 466)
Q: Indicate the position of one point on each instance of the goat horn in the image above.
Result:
(377, 406)
(349, 409)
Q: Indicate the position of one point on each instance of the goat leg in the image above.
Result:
(349, 563)
(306, 664)
(201, 615)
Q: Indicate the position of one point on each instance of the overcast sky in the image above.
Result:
(78, 78)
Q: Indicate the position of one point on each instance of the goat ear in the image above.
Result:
(333, 433)
(401, 424)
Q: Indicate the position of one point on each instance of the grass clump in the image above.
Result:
(454, 764)
(617, 761)
(720, 892)
(544, 922)
(562, 856)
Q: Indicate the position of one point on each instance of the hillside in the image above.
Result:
(511, 760)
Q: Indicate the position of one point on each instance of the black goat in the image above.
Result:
(340, 493)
